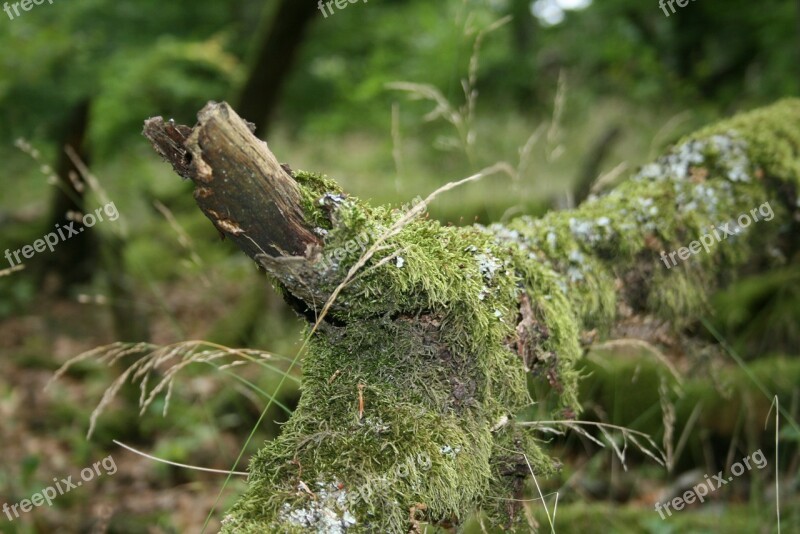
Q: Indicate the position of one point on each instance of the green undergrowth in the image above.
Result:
(426, 353)
(708, 518)
(627, 388)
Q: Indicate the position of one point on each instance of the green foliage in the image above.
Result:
(699, 54)
(172, 78)
(66, 53)
(759, 304)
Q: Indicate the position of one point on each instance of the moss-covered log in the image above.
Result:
(413, 380)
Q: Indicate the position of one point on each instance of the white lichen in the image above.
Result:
(488, 265)
(331, 198)
(450, 452)
(725, 154)
(325, 513)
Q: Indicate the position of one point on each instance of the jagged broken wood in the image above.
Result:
(245, 192)
(427, 352)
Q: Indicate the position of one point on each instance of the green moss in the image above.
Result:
(422, 355)
(426, 347)
(772, 135)
(707, 180)
(315, 188)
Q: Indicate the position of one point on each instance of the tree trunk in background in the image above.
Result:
(284, 28)
(78, 259)
(73, 261)
(414, 378)
(597, 154)
(524, 31)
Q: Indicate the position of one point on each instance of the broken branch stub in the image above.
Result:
(239, 184)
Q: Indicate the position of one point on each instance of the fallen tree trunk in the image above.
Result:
(413, 379)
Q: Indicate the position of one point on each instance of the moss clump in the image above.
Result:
(424, 340)
(318, 193)
(429, 348)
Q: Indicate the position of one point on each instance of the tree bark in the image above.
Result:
(285, 29)
(524, 31)
(74, 261)
(239, 184)
(412, 385)
(597, 154)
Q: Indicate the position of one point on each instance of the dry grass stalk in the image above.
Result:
(161, 363)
